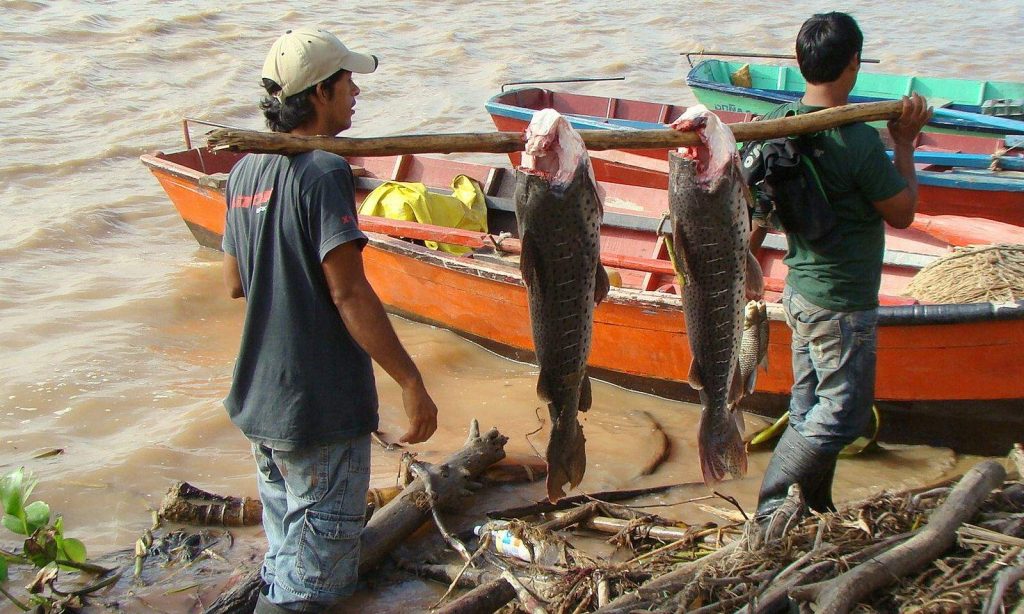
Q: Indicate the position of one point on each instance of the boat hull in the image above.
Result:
(963, 369)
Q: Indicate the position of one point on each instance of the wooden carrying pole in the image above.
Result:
(505, 142)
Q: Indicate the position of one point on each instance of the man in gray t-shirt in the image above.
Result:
(303, 390)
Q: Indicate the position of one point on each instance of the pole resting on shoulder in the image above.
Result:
(506, 142)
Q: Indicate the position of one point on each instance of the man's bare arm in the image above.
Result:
(368, 323)
(898, 211)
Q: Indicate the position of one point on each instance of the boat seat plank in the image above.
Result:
(216, 181)
(660, 252)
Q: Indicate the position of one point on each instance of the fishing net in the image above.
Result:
(973, 274)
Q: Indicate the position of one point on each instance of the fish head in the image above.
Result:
(754, 314)
(717, 150)
(750, 313)
(554, 150)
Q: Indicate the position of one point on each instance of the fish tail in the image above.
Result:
(721, 447)
(567, 456)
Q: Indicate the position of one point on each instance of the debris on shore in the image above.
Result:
(955, 547)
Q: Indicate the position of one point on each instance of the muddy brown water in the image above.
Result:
(117, 339)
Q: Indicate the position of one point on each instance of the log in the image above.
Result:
(466, 578)
(506, 142)
(573, 516)
(241, 596)
(399, 518)
(844, 592)
(484, 599)
(186, 504)
(409, 510)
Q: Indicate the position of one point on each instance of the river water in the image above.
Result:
(117, 339)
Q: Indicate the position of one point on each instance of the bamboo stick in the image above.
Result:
(614, 525)
(505, 142)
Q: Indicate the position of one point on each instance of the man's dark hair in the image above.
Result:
(295, 110)
(825, 46)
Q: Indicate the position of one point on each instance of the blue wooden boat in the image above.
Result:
(957, 174)
(963, 106)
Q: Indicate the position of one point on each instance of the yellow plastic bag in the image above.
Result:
(412, 202)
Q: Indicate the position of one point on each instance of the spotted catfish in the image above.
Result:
(559, 214)
(708, 205)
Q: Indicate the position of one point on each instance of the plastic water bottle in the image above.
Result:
(505, 542)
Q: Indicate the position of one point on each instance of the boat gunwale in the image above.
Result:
(892, 315)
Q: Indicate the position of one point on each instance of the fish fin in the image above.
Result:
(586, 395)
(677, 245)
(566, 456)
(754, 278)
(602, 286)
(748, 386)
(721, 447)
(528, 259)
(694, 377)
(737, 416)
(762, 309)
(544, 388)
(736, 389)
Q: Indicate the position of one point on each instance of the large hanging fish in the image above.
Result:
(708, 203)
(559, 213)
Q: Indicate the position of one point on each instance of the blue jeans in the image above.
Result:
(833, 371)
(314, 501)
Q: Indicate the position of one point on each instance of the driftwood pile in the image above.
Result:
(953, 548)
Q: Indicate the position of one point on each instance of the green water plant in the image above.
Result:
(46, 542)
(45, 545)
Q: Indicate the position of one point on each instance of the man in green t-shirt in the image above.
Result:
(831, 293)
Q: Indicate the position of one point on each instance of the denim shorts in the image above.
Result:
(834, 355)
(314, 502)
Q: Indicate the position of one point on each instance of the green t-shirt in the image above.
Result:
(855, 172)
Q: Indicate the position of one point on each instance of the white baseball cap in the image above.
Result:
(301, 58)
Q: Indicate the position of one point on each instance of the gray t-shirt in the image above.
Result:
(300, 377)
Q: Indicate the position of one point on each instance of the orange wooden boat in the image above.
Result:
(945, 372)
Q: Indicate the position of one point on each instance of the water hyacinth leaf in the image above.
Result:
(15, 524)
(37, 515)
(11, 491)
(74, 550)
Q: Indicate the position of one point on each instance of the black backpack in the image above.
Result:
(785, 183)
